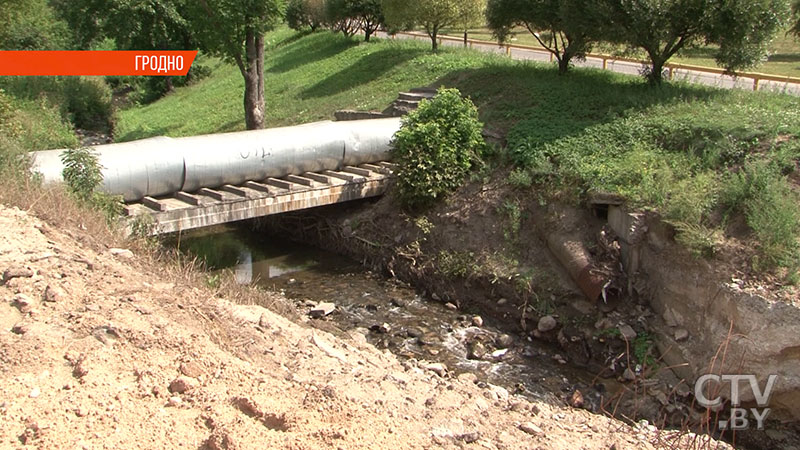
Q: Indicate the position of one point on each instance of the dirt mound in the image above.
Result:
(99, 350)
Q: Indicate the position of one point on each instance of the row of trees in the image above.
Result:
(352, 16)
(345, 16)
(234, 29)
(741, 30)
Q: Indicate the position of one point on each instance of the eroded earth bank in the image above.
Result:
(103, 348)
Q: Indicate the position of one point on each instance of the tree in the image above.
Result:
(365, 15)
(743, 29)
(234, 29)
(305, 13)
(31, 25)
(340, 17)
(470, 16)
(565, 28)
(158, 26)
(432, 15)
(796, 19)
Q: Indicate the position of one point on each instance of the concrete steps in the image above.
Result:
(409, 101)
(405, 103)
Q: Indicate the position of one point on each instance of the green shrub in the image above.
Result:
(456, 264)
(520, 179)
(84, 101)
(88, 101)
(82, 172)
(772, 210)
(83, 175)
(26, 126)
(436, 147)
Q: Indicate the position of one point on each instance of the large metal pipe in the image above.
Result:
(162, 166)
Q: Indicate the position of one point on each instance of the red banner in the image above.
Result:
(163, 63)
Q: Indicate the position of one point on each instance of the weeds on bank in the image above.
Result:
(735, 153)
(453, 264)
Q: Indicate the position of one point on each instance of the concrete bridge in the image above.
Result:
(174, 184)
(185, 211)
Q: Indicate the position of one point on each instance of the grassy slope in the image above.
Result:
(784, 60)
(307, 79)
(697, 154)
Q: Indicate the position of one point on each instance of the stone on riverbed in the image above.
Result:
(321, 310)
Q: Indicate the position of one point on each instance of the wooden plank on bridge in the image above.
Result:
(234, 190)
(259, 187)
(343, 176)
(188, 198)
(324, 179)
(388, 165)
(283, 184)
(358, 171)
(300, 180)
(216, 195)
(377, 169)
(154, 204)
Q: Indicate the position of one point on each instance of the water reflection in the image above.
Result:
(256, 259)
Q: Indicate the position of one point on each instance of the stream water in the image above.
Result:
(392, 315)
(389, 313)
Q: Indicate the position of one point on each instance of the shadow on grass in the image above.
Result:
(366, 69)
(295, 52)
(537, 106)
(142, 133)
(784, 57)
(288, 40)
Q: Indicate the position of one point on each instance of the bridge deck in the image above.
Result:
(206, 207)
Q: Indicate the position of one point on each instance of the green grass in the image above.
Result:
(783, 60)
(307, 78)
(674, 149)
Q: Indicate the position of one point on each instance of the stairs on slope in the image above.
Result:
(404, 104)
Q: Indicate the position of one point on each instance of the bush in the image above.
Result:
(83, 175)
(25, 126)
(520, 179)
(84, 101)
(88, 101)
(436, 146)
(769, 204)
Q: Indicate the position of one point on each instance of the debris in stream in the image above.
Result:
(322, 309)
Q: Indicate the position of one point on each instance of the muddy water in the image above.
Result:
(390, 314)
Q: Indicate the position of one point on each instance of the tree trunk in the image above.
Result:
(434, 38)
(657, 67)
(563, 63)
(367, 32)
(254, 81)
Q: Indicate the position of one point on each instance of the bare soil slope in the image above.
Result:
(98, 350)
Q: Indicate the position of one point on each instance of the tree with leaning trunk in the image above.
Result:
(742, 29)
(432, 15)
(565, 28)
(234, 29)
(367, 15)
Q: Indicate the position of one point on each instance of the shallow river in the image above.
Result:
(390, 314)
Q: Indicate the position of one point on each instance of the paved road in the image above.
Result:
(631, 68)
